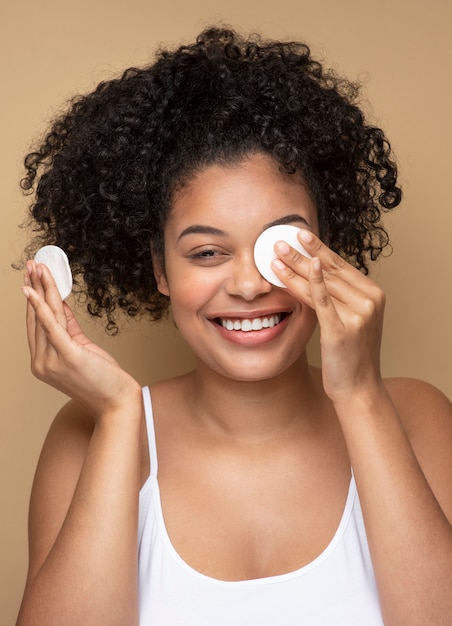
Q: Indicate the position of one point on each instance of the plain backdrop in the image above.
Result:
(400, 49)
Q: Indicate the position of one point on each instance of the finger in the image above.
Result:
(50, 336)
(30, 319)
(297, 284)
(35, 272)
(294, 259)
(322, 301)
(45, 286)
(52, 295)
(332, 263)
(292, 268)
(345, 283)
(74, 329)
(37, 339)
(295, 271)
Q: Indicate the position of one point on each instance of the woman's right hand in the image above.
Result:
(63, 356)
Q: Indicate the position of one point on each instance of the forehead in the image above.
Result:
(253, 190)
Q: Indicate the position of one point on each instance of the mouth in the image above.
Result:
(252, 323)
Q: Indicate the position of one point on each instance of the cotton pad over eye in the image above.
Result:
(56, 260)
(264, 252)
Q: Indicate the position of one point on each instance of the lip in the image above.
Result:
(252, 337)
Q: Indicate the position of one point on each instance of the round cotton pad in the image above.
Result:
(56, 260)
(264, 252)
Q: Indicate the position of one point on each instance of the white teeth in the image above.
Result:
(257, 323)
(247, 325)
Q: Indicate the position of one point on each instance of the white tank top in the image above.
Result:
(336, 589)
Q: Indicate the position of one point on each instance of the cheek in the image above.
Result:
(192, 289)
(184, 278)
(304, 326)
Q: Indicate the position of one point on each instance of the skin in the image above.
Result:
(267, 440)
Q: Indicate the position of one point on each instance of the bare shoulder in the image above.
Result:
(426, 414)
(67, 440)
(421, 406)
(57, 473)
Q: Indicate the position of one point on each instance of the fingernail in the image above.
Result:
(26, 292)
(278, 264)
(305, 235)
(282, 247)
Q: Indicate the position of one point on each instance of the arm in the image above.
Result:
(400, 461)
(406, 499)
(84, 505)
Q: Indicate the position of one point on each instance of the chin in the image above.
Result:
(253, 372)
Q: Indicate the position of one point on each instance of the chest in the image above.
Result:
(337, 588)
(240, 518)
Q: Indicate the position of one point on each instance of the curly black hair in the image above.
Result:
(105, 174)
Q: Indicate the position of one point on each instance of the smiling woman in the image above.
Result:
(256, 488)
(210, 275)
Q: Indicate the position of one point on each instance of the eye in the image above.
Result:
(204, 254)
(208, 256)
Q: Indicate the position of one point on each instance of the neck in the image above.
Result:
(258, 410)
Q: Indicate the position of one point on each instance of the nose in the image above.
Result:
(245, 280)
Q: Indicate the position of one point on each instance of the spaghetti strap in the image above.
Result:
(150, 432)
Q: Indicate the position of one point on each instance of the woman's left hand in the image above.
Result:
(349, 308)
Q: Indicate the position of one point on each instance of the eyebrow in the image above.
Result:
(288, 219)
(201, 229)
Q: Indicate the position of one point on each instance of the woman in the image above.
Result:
(283, 493)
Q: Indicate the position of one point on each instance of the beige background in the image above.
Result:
(52, 49)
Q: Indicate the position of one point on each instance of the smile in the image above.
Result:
(247, 325)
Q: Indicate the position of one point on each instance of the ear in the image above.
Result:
(159, 273)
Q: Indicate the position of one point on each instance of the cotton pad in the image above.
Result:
(264, 252)
(56, 260)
